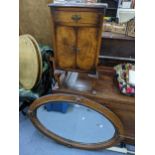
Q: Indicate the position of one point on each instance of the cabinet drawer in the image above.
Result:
(77, 17)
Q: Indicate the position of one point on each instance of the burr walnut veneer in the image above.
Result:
(77, 31)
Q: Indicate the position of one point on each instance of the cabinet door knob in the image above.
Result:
(76, 18)
(77, 49)
(73, 48)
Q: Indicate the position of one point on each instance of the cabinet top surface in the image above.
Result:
(80, 5)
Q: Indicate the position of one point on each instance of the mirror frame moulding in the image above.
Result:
(105, 112)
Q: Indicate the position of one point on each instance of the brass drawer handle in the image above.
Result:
(76, 18)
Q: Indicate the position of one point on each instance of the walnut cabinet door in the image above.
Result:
(86, 48)
(66, 45)
(76, 47)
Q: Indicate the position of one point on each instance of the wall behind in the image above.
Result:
(35, 19)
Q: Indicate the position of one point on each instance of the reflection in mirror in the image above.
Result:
(75, 122)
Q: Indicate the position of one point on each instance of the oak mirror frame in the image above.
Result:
(105, 112)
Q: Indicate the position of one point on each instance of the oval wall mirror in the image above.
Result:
(76, 121)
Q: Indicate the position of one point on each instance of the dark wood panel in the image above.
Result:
(118, 48)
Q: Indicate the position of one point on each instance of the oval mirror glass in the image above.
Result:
(76, 121)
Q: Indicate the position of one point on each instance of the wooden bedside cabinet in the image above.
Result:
(77, 30)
